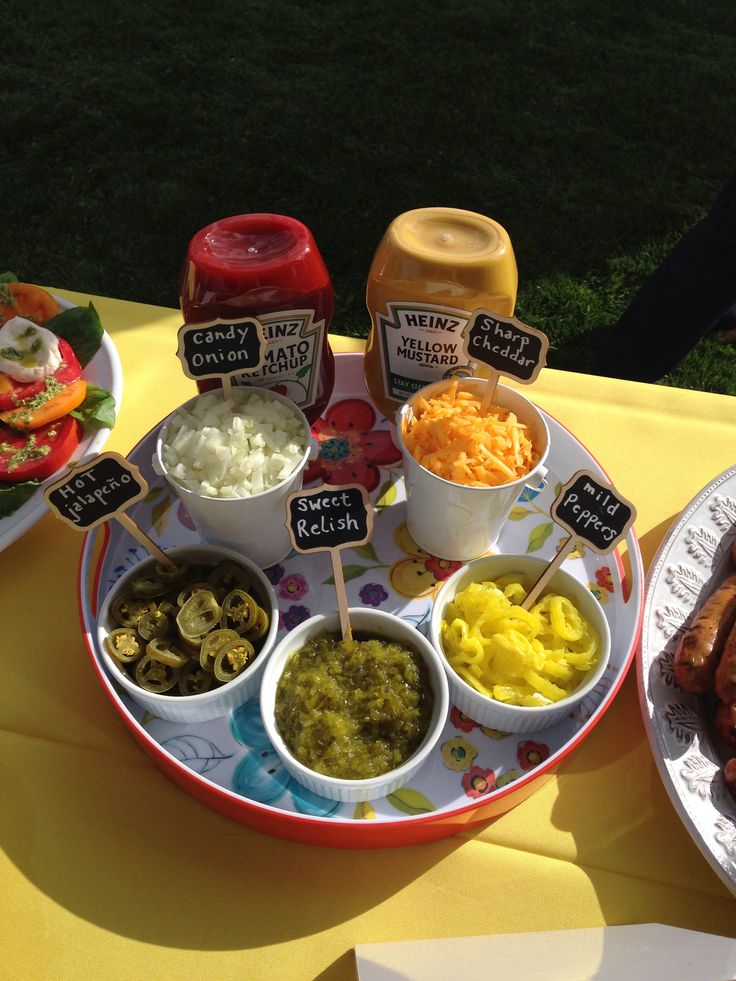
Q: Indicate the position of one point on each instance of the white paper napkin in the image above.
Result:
(637, 953)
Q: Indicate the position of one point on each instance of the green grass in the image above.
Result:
(597, 133)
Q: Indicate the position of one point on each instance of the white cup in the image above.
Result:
(255, 526)
(455, 521)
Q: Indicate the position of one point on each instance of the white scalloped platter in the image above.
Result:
(474, 771)
(692, 560)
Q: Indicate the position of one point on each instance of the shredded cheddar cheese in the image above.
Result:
(448, 435)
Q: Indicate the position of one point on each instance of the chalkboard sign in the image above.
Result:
(221, 348)
(94, 492)
(506, 345)
(593, 512)
(329, 518)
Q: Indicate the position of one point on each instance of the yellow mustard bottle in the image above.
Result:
(433, 268)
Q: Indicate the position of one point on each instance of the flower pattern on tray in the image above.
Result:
(350, 448)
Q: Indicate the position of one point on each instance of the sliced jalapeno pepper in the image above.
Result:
(127, 609)
(155, 624)
(190, 589)
(148, 587)
(192, 647)
(155, 676)
(169, 607)
(124, 645)
(232, 659)
(211, 644)
(229, 575)
(260, 626)
(198, 615)
(162, 650)
(171, 573)
(194, 680)
(238, 610)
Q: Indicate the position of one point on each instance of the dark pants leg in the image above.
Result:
(680, 302)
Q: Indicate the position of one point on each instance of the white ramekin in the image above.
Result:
(218, 701)
(374, 623)
(488, 711)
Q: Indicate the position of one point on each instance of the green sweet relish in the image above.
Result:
(353, 709)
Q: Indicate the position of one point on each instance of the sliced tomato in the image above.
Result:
(13, 392)
(54, 407)
(28, 301)
(36, 455)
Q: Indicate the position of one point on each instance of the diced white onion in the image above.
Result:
(233, 447)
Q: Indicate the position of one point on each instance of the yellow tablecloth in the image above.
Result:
(111, 871)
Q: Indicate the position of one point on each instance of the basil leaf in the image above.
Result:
(98, 408)
(80, 327)
(8, 277)
(13, 496)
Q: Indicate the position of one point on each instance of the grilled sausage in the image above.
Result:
(729, 774)
(726, 670)
(697, 654)
(726, 723)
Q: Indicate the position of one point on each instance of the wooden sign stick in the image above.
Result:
(327, 519)
(140, 536)
(221, 349)
(548, 573)
(342, 600)
(504, 346)
(90, 494)
(489, 393)
(593, 513)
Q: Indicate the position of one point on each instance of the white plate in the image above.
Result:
(474, 771)
(104, 370)
(691, 561)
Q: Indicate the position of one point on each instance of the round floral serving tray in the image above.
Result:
(475, 773)
(690, 563)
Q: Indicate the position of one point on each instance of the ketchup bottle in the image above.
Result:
(269, 267)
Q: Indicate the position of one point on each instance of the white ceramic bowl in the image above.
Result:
(374, 623)
(217, 701)
(255, 525)
(499, 715)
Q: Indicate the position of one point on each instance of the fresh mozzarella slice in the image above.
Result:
(27, 352)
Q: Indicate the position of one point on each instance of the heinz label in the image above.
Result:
(420, 344)
(291, 362)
